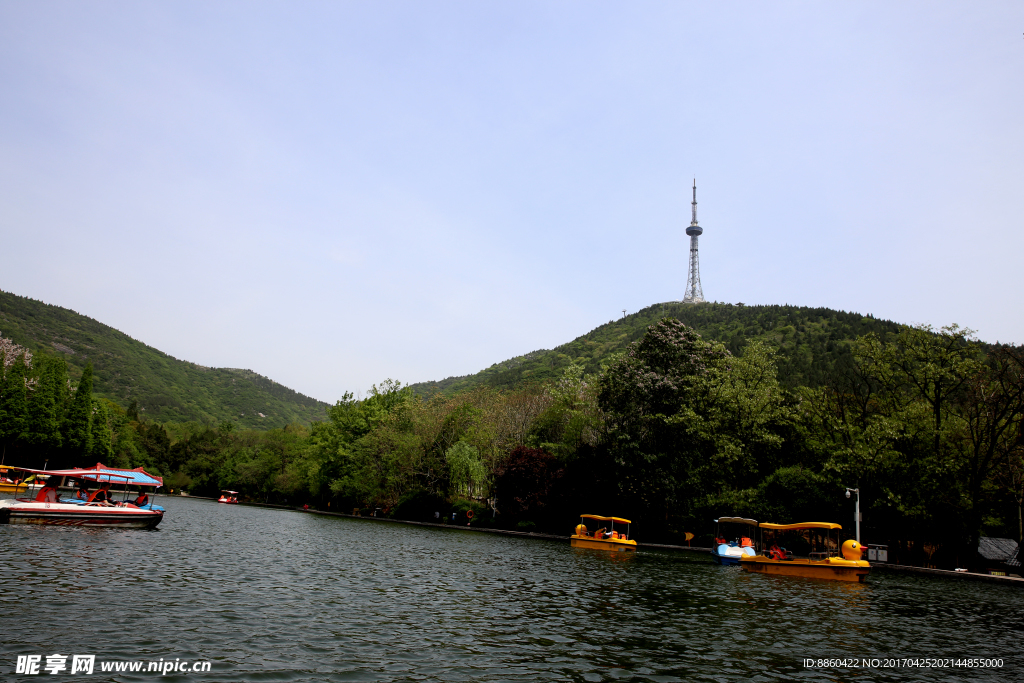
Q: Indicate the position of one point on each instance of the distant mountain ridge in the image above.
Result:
(810, 342)
(167, 389)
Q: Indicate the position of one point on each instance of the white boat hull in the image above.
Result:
(69, 514)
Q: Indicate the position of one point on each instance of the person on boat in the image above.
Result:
(142, 500)
(48, 494)
(101, 496)
(83, 492)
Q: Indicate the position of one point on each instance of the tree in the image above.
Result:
(921, 364)
(100, 447)
(45, 406)
(346, 465)
(465, 470)
(658, 399)
(524, 482)
(987, 429)
(747, 418)
(75, 430)
(14, 406)
(573, 419)
(923, 424)
(795, 494)
(1011, 478)
(153, 440)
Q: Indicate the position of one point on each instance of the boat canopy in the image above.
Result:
(104, 474)
(607, 519)
(801, 525)
(234, 493)
(737, 520)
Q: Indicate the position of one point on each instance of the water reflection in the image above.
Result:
(273, 595)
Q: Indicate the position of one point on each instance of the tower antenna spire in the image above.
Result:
(694, 293)
(693, 221)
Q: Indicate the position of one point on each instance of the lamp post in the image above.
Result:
(856, 514)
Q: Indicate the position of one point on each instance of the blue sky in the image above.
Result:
(335, 193)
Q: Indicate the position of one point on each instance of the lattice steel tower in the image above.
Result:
(694, 294)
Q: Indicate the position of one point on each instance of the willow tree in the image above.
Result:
(466, 471)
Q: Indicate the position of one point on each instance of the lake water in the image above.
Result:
(273, 595)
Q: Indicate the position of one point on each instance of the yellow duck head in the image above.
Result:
(852, 550)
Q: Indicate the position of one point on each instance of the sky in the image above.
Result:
(337, 193)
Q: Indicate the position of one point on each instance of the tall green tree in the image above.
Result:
(14, 406)
(749, 417)
(100, 447)
(344, 466)
(658, 399)
(988, 432)
(45, 408)
(687, 421)
(924, 425)
(76, 428)
(923, 365)
(573, 420)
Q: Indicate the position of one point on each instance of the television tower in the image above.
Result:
(694, 293)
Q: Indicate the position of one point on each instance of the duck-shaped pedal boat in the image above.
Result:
(605, 537)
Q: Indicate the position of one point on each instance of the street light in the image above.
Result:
(856, 514)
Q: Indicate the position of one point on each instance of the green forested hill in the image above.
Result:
(165, 388)
(810, 342)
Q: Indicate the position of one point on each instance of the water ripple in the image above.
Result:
(269, 595)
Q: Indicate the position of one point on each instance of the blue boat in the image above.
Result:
(728, 552)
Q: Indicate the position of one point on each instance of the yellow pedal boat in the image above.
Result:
(604, 538)
(824, 563)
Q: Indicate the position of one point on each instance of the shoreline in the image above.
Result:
(880, 566)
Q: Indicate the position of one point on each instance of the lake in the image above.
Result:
(274, 595)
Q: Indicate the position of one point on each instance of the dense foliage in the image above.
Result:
(671, 430)
(164, 388)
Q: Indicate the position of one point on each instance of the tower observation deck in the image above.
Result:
(694, 293)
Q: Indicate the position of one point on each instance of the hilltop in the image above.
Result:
(810, 342)
(166, 389)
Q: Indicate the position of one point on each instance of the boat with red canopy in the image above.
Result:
(49, 508)
(228, 497)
